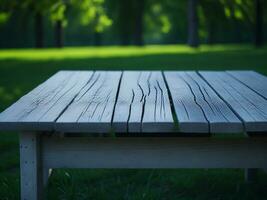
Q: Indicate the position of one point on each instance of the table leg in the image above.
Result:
(251, 175)
(31, 166)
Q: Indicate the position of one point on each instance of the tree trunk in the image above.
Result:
(211, 34)
(59, 34)
(237, 31)
(125, 19)
(125, 38)
(193, 39)
(39, 31)
(258, 37)
(139, 15)
(97, 39)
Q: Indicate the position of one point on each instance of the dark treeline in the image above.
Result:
(58, 23)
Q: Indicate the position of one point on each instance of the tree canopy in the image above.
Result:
(133, 21)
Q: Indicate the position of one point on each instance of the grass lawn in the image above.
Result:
(21, 70)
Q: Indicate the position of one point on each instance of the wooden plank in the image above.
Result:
(189, 114)
(198, 107)
(143, 104)
(39, 109)
(157, 115)
(253, 80)
(251, 107)
(153, 152)
(92, 110)
(30, 166)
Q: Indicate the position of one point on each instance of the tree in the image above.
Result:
(250, 12)
(128, 19)
(193, 39)
(139, 18)
(214, 17)
(157, 19)
(5, 12)
(124, 19)
(38, 9)
(93, 15)
(258, 38)
(39, 30)
(57, 15)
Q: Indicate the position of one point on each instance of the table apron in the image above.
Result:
(144, 152)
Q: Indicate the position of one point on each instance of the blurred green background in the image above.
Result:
(48, 23)
(38, 38)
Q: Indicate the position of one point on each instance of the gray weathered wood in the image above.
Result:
(198, 107)
(143, 104)
(92, 109)
(41, 107)
(153, 152)
(30, 166)
(84, 101)
(250, 106)
(253, 80)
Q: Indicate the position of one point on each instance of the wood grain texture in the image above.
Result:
(31, 166)
(143, 104)
(92, 109)
(147, 152)
(250, 106)
(138, 101)
(198, 107)
(39, 109)
(253, 80)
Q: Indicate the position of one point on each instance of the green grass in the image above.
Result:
(22, 69)
(114, 51)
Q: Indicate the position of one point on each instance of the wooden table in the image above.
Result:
(93, 119)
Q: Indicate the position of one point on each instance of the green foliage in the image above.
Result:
(4, 17)
(115, 20)
(242, 10)
(40, 6)
(202, 31)
(157, 20)
(57, 11)
(7, 7)
(92, 13)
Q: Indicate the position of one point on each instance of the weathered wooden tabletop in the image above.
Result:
(143, 102)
